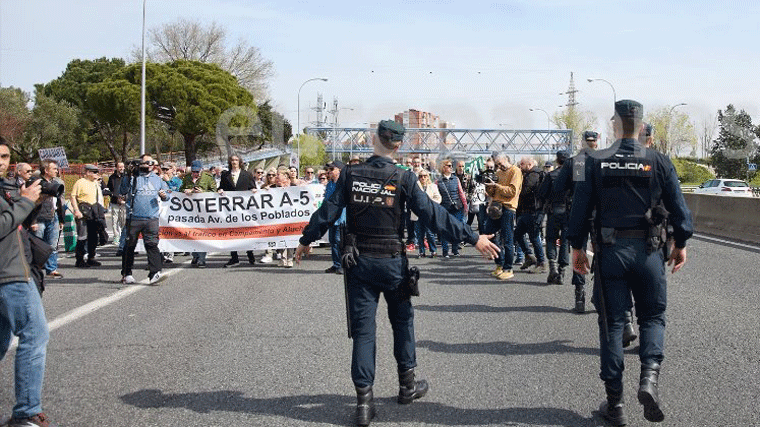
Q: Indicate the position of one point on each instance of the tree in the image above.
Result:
(707, 133)
(73, 86)
(673, 132)
(191, 41)
(197, 93)
(312, 150)
(736, 144)
(52, 124)
(275, 129)
(14, 118)
(577, 121)
(114, 107)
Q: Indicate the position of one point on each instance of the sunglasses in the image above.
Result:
(271, 174)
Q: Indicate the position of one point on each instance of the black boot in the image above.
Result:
(612, 409)
(365, 407)
(409, 389)
(629, 334)
(648, 395)
(580, 299)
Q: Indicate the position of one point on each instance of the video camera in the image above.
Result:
(133, 167)
(487, 176)
(50, 188)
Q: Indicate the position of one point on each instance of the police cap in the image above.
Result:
(629, 109)
(590, 135)
(391, 130)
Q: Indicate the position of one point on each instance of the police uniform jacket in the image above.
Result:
(623, 182)
(351, 190)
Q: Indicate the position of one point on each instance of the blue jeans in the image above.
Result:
(48, 231)
(421, 231)
(366, 281)
(458, 214)
(528, 223)
(22, 315)
(334, 237)
(627, 269)
(505, 227)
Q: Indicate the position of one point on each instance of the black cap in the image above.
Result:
(561, 156)
(648, 129)
(627, 108)
(548, 164)
(391, 130)
(590, 135)
(335, 164)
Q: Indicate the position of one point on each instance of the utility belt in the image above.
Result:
(380, 248)
(653, 235)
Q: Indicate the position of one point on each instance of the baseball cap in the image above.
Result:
(391, 130)
(91, 167)
(196, 166)
(335, 164)
(590, 135)
(630, 109)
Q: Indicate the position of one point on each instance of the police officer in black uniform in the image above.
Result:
(562, 188)
(557, 206)
(626, 184)
(375, 194)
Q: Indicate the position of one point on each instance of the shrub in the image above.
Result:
(691, 173)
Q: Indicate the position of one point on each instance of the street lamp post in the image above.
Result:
(548, 121)
(335, 126)
(670, 125)
(298, 122)
(614, 95)
(142, 89)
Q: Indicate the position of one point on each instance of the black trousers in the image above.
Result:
(149, 230)
(87, 238)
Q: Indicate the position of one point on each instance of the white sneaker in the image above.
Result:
(156, 277)
(128, 280)
(283, 262)
(289, 263)
(266, 259)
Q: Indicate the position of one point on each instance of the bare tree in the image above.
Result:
(709, 124)
(190, 40)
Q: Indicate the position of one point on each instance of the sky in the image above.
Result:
(476, 64)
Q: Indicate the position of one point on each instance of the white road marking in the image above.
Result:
(715, 239)
(93, 306)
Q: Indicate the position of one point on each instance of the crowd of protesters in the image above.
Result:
(503, 197)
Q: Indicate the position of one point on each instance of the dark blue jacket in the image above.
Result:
(627, 209)
(432, 214)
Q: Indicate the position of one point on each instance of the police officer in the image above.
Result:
(562, 187)
(557, 206)
(375, 194)
(625, 183)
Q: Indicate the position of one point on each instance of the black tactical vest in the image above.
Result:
(374, 206)
(625, 184)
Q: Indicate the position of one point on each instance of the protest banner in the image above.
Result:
(56, 153)
(238, 220)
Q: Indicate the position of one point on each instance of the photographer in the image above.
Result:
(85, 196)
(21, 310)
(49, 219)
(142, 189)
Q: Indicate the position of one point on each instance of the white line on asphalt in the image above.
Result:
(715, 239)
(93, 306)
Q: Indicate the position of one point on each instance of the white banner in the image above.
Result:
(56, 153)
(238, 220)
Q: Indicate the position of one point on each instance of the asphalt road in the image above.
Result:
(266, 346)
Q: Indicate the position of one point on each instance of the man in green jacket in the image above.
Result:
(198, 181)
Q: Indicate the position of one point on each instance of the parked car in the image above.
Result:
(725, 187)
